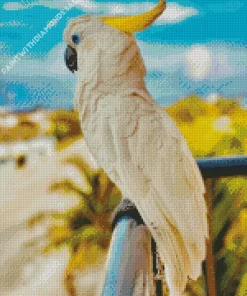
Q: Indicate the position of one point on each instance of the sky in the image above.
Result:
(195, 47)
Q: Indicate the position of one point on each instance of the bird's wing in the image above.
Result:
(155, 169)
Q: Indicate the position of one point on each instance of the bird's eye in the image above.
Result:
(76, 38)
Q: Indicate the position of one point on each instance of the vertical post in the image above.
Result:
(210, 268)
(129, 263)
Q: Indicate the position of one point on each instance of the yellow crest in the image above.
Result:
(135, 23)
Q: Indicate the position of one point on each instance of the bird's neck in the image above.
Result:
(90, 91)
(117, 71)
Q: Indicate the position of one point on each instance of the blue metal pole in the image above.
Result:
(214, 167)
(129, 263)
(119, 240)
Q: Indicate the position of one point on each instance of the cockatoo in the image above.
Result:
(135, 141)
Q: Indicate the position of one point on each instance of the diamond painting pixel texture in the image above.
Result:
(56, 203)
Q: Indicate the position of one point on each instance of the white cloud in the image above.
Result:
(13, 6)
(198, 61)
(86, 5)
(221, 67)
(162, 57)
(174, 12)
(117, 8)
(211, 61)
(13, 23)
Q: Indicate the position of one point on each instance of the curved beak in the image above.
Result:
(70, 58)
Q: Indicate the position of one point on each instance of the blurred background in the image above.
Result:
(56, 203)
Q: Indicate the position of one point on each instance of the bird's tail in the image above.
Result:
(182, 258)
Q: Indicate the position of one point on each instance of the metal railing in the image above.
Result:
(128, 257)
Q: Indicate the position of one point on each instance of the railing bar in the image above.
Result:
(215, 167)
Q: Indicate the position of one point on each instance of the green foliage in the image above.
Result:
(188, 109)
(65, 127)
(90, 220)
(23, 130)
(227, 107)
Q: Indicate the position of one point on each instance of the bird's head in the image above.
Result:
(106, 42)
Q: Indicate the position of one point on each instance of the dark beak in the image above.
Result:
(70, 58)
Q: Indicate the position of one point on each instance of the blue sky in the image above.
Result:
(195, 47)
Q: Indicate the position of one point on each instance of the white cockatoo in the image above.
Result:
(136, 142)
